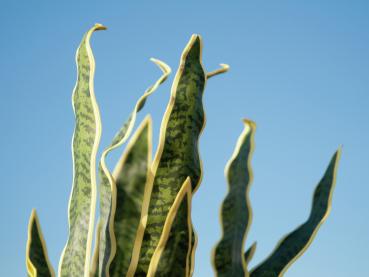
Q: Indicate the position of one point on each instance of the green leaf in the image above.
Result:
(194, 242)
(130, 175)
(293, 245)
(228, 255)
(75, 260)
(107, 242)
(177, 156)
(37, 261)
(95, 257)
(249, 254)
(173, 252)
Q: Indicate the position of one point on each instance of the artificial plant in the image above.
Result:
(144, 226)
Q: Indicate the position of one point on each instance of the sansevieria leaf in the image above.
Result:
(75, 260)
(37, 260)
(295, 243)
(177, 156)
(107, 244)
(249, 254)
(130, 176)
(95, 257)
(172, 254)
(228, 255)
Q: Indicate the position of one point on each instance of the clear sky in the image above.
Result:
(300, 69)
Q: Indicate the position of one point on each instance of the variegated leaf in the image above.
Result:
(194, 242)
(228, 255)
(37, 260)
(173, 252)
(75, 260)
(107, 184)
(177, 156)
(130, 176)
(95, 257)
(295, 243)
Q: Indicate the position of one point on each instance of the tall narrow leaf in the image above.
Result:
(37, 261)
(130, 175)
(295, 243)
(172, 254)
(107, 242)
(194, 242)
(228, 255)
(177, 156)
(95, 257)
(75, 260)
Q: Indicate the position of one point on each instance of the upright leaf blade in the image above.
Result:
(75, 260)
(228, 255)
(95, 257)
(37, 260)
(130, 175)
(295, 243)
(107, 242)
(194, 242)
(172, 254)
(177, 156)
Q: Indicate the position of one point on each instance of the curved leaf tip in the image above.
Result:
(99, 27)
(86, 138)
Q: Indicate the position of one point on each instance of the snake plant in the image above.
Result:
(229, 258)
(144, 226)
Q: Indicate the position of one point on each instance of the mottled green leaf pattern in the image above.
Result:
(37, 261)
(107, 183)
(172, 255)
(131, 177)
(228, 256)
(295, 243)
(249, 254)
(75, 260)
(177, 156)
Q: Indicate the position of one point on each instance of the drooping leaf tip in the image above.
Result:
(99, 27)
(162, 65)
(223, 69)
(249, 123)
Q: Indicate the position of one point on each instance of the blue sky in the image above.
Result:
(298, 68)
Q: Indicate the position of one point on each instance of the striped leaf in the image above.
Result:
(131, 176)
(173, 252)
(177, 156)
(107, 244)
(75, 260)
(249, 254)
(293, 245)
(228, 255)
(37, 261)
